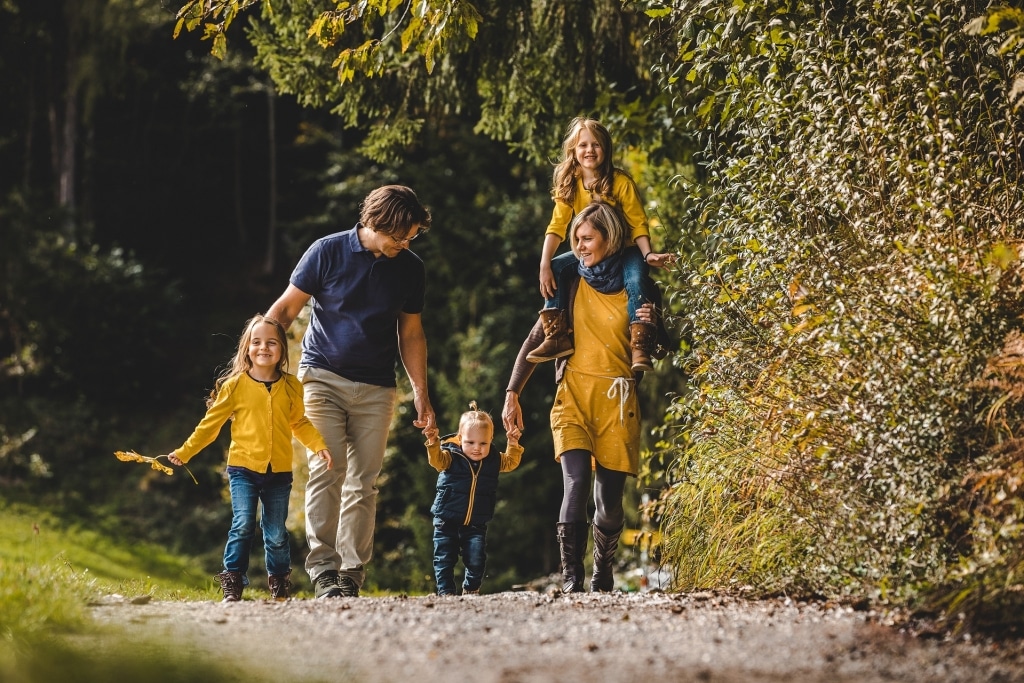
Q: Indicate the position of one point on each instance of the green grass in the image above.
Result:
(32, 537)
(50, 572)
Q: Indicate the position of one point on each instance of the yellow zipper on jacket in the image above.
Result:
(472, 489)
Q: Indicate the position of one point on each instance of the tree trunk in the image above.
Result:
(67, 142)
(243, 238)
(268, 264)
(29, 135)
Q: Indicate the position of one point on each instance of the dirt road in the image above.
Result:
(536, 638)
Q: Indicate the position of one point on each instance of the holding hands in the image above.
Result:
(512, 414)
(512, 435)
(425, 419)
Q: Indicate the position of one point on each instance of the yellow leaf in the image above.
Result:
(317, 26)
(802, 308)
(1002, 255)
(471, 28)
(411, 32)
(220, 46)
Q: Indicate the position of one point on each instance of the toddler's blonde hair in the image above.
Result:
(475, 416)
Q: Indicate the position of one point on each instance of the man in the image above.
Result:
(367, 298)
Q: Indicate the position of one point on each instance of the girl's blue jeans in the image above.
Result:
(640, 288)
(452, 539)
(248, 490)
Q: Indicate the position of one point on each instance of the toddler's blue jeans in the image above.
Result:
(452, 539)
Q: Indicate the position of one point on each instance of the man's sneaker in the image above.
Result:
(327, 585)
(348, 587)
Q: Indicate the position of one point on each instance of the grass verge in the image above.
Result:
(50, 572)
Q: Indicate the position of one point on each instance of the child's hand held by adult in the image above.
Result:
(512, 413)
(424, 418)
(513, 435)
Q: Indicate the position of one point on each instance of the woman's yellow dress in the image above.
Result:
(595, 407)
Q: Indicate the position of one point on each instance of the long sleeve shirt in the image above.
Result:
(263, 426)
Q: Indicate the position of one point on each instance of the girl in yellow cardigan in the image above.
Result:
(265, 405)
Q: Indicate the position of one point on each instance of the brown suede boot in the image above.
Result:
(605, 545)
(280, 586)
(571, 553)
(556, 337)
(642, 338)
(231, 584)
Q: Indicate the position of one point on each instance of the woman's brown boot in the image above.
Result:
(556, 337)
(605, 545)
(571, 552)
(642, 338)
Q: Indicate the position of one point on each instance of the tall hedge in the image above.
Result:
(853, 304)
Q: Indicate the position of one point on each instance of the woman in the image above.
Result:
(595, 420)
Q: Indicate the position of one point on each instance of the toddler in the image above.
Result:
(469, 464)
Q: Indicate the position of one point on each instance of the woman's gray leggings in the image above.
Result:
(608, 489)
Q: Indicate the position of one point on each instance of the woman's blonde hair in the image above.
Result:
(241, 362)
(608, 220)
(568, 169)
(474, 416)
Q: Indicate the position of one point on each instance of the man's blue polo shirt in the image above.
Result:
(356, 299)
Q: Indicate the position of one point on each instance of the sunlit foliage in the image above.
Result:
(860, 266)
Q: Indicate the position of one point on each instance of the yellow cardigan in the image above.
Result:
(624, 194)
(263, 425)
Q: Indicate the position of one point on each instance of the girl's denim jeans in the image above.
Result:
(248, 489)
(452, 539)
(635, 273)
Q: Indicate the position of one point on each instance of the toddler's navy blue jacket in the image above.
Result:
(467, 490)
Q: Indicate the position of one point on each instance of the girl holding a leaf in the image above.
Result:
(265, 405)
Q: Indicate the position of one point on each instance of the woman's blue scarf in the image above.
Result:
(606, 276)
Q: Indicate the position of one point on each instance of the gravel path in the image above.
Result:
(536, 638)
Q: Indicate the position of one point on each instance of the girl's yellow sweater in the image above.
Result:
(262, 427)
(624, 194)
